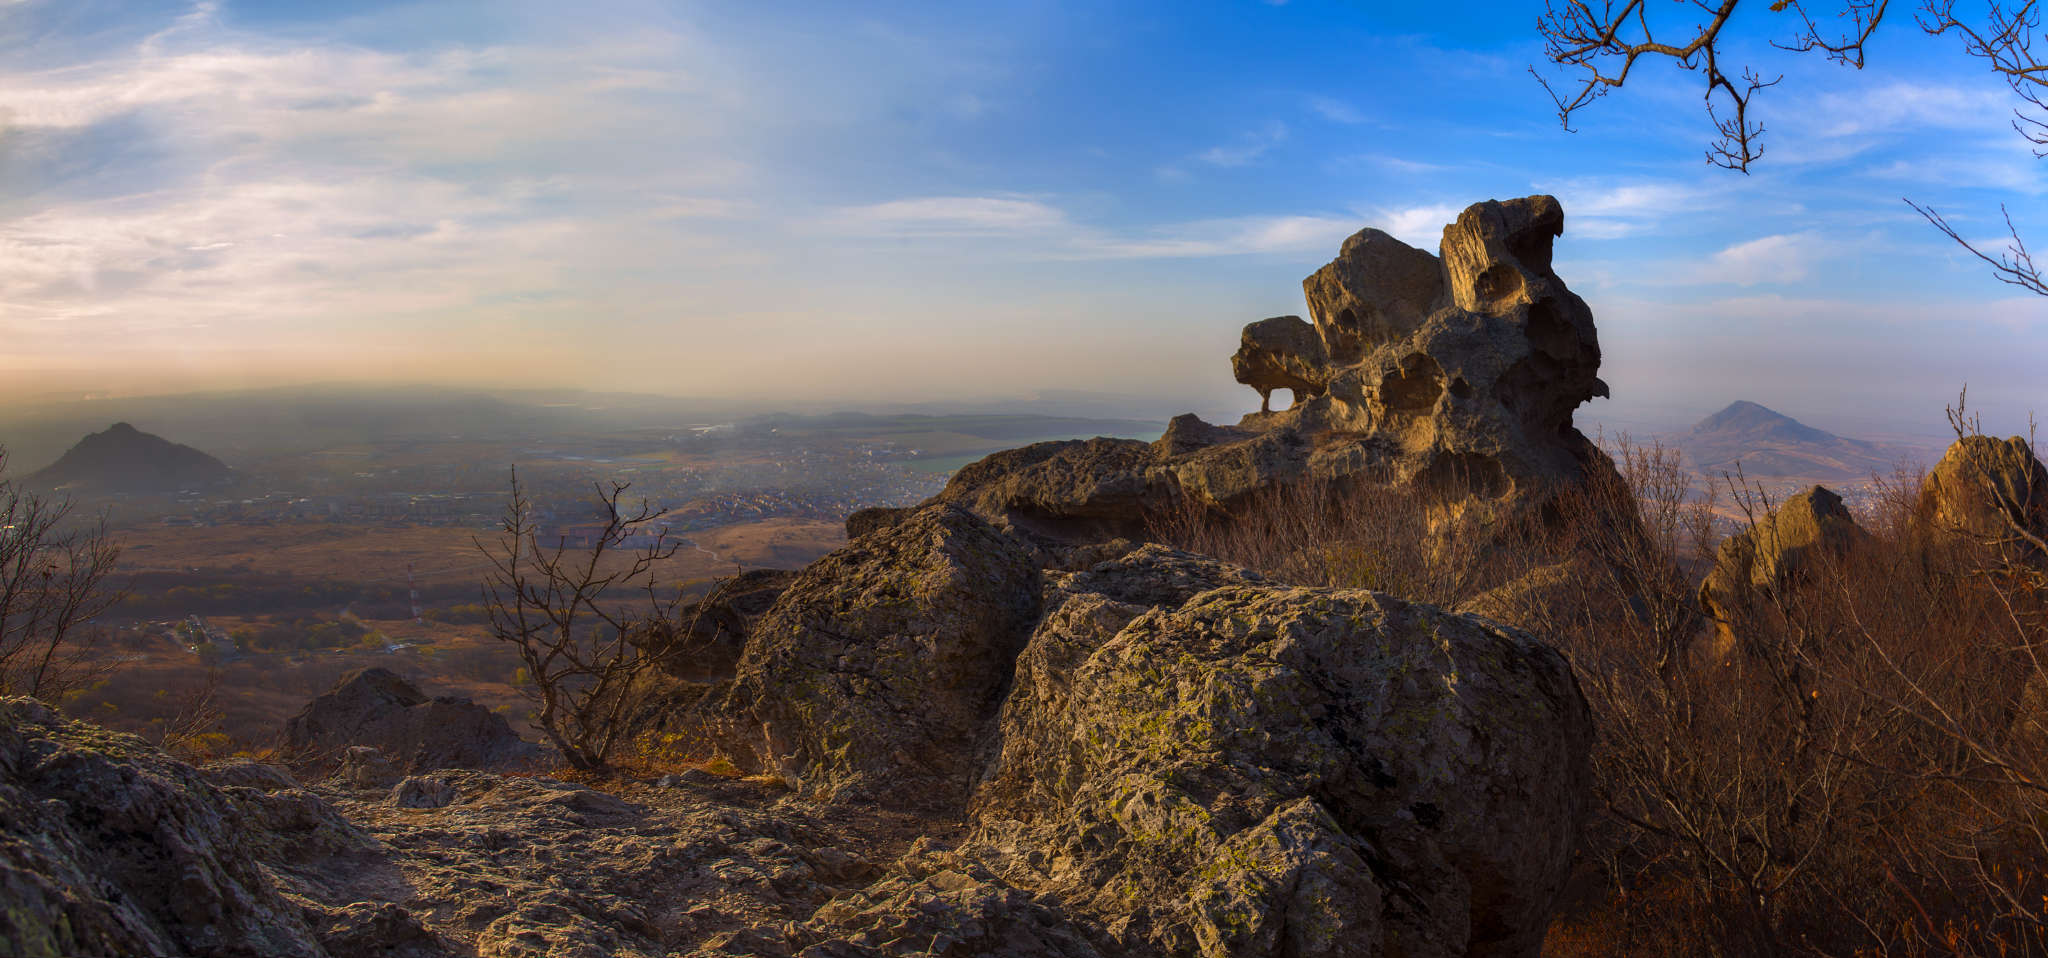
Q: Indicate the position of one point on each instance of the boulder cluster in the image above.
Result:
(992, 724)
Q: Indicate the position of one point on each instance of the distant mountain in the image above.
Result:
(1770, 444)
(126, 459)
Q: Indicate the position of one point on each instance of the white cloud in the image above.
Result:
(297, 194)
(1902, 106)
(1222, 237)
(1783, 258)
(1418, 226)
(1845, 124)
(948, 216)
(1598, 209)
(1039, 230)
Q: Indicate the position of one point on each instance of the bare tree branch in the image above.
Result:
(562, 610)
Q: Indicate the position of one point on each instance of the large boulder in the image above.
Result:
(1073, 489)
(1778, 551)
(1271, 771)
(1987, 490)
(375, 708)
(1083, 610)
(1457, 373)
(876, 673)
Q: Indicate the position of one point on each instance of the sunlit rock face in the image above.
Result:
(1985, 490)
(1456, 372)
(1460, 367)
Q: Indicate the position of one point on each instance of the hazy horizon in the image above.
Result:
(913, 203)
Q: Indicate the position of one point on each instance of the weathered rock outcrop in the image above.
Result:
(1192, 761)
(1985, 489)
(109, 847)
(1269, 771)
(375, 708)
(876, 672)
(1765, 559)
(1282, 353)
(1459, 374)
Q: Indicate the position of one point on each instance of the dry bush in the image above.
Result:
(55, 579)
(1843, 779)
(1412, 542)
(592, 626)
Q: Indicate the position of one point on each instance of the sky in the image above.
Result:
(944, 201)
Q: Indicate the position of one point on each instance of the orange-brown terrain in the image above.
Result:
(337, 601)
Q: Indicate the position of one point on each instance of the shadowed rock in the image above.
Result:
(875, 673)
(1764, 560)
(110, 847)
(377, 709)
(705, 638)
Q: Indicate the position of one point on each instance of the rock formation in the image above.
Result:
(1763, 560)
(374, 708)
(872, 676)
(1239, 773)
(1185, 759)
(109, 847)
(1281, 353)
(1158, 754)
(1987, 490)
(1456, 372)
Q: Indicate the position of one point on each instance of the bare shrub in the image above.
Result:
(1862, 771)
(55, 579)
(1847, 778)
(193, 732)
(572, 614)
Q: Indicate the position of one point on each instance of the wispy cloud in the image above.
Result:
(1038, 230)
(943, 216)
(1245, 149)
(1223, 237)
(1783, 258)
(294, 193)
(1596, 209)
(1335, 110)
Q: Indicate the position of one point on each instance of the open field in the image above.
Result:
(309, 602)
(439, 555)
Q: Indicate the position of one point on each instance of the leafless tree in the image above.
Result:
(55, 578)
(1598, 45)
(572, 615)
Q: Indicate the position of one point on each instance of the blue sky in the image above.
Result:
(932, 201)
